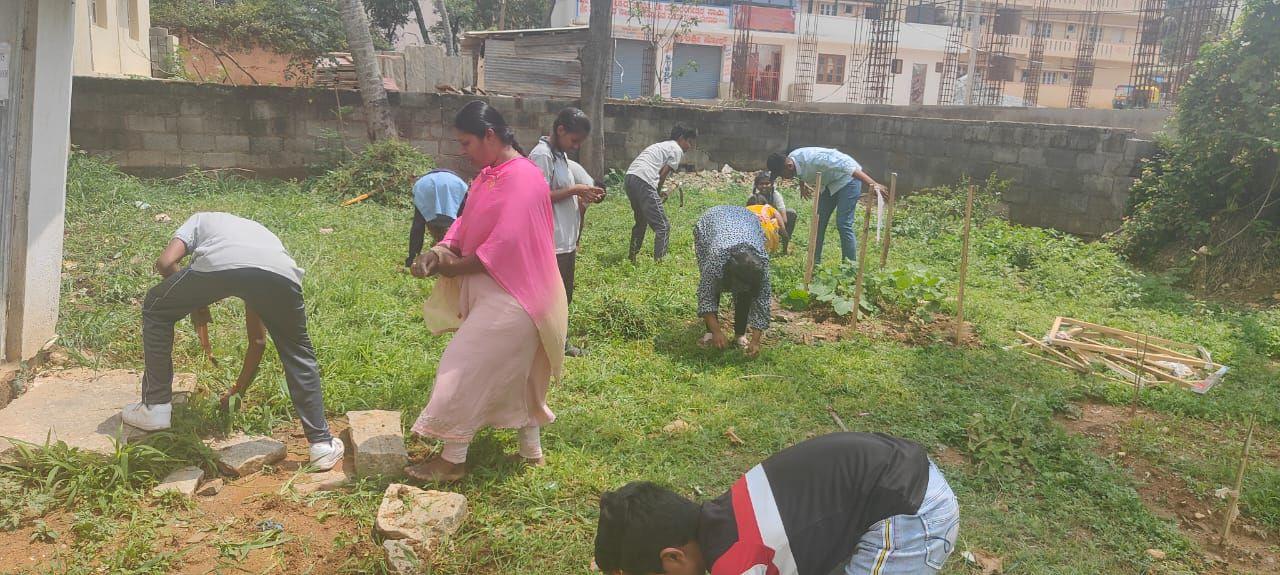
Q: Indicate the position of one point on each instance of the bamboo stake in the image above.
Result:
(1233, 500)
(888, 226)
(964, 265)
(836, 416)
(813, 231)
(1137, 380)
(862, 265)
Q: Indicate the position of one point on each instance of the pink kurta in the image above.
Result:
(510, 321)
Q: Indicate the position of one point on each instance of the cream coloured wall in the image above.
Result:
(112, 38)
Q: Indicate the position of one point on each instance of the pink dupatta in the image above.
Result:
(507, 223)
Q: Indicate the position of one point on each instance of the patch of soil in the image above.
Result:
(821, 325)
(213, 534)
(1251, 549)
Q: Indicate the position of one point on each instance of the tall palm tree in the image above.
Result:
(376, 109)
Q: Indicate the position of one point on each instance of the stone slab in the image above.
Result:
(182, 481)
(422, 516)
(403, 558)
(78, 406)
(377, 441)
(244, 454)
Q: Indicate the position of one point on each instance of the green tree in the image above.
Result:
(483, 14)
(1213, 190)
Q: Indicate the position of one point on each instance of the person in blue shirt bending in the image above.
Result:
(842, 179)
(437, 202)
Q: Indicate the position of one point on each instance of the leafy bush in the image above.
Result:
(302, 28)
(937, 212)
(1213, 184)
(384, 170)
(912, 291)
(1005, 445)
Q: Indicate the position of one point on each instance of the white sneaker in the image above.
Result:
(148, 417)
(743, 342)
(324, 456)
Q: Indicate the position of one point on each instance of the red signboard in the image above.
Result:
(765, 19)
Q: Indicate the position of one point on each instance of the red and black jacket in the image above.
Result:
(803, 510)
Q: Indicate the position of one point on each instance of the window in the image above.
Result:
(133, 19)
(848, 9)
(1117, 35)
(98, 12)
(1043, 29)
(830, 69)
(1049, 78)
(827, 9)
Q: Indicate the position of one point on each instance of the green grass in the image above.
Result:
(1046, 504)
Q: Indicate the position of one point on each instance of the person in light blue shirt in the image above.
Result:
(842, 179)
(437, 201)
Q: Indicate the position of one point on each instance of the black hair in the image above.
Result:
(762, 177)
(637, 522)
(575, 121)
(478, 117)
(757, 199)
(777, 164)
(744, 272)
(682, 131)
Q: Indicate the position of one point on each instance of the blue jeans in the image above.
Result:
(911, 544)
(844, 203)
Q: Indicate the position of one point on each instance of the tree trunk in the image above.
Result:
(451, 39)
(502, 15)
(422, 22)
(551, 10)
(377, 111)
(597, 57)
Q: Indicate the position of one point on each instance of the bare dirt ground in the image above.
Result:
(223, 533)
(1165, 493)
(814, 325)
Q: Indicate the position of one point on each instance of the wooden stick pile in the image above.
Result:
(1129, 357)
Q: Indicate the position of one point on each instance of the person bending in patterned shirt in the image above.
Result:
(730, 246)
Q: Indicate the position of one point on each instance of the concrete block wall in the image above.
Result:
(1072, 178)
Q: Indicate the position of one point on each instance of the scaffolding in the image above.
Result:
(950, 71)
(994, 66)
(882, 62)
(1191, 24)
(1035, 57)
(855, 78)
(806, 54)
(1083, 67)
(739, 75)
(1144, 73)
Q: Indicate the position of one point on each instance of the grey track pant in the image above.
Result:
(646, 204)
(275, 298)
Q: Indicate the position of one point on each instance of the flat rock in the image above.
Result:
(377, 441)
(423, 516)
(402, 558)
(325, 481)
(182, 481)
(211, 488)
(184, 384)
(80, 407)
(244, 454)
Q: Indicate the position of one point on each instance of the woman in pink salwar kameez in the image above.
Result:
(502, 293)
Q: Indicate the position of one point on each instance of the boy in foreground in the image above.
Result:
(851, 503)
(645, 178)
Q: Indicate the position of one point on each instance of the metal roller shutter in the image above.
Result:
(700, 82)
(628, 63)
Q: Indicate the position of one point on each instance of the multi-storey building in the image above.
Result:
(850, 50)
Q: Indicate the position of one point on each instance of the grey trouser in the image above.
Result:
(647, 206)
(274, 297)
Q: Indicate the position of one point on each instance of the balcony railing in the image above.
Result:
(1060, 47)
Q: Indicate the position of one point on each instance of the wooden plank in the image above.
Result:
(1169, 377)
(1078, 366)
(1124, 351)
(862, 265)
(1114, 331)
(1047, 360)
(1151, 346)
(813, 230)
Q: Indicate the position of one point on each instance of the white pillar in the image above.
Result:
(34, 176)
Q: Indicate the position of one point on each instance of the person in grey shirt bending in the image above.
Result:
(231, 257)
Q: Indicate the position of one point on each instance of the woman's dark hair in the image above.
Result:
(682, 131)
(478, 117)
(743, 272)
(777, 164)
(575, 121)
(637, 522)
(757, 199)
